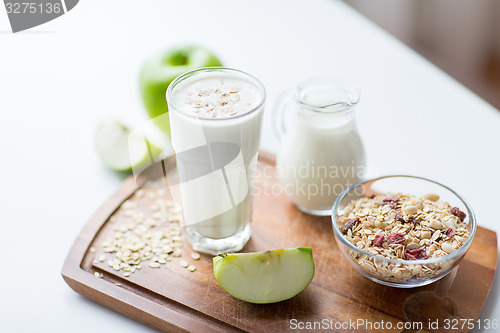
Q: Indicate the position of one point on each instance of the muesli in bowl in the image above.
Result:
(403, 231)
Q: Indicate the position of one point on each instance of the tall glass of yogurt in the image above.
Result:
(215, 118)
(321, 151)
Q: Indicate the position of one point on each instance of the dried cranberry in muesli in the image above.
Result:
(379, 240)
(457, 212)
(412, 221)
(399, 217)
(391, 201)
(415, 254)
(395, 239)
(349, 225)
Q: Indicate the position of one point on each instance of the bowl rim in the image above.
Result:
(458, 253)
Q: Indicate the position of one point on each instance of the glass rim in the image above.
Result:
(450, 256)
(193, 72)
(327, 108)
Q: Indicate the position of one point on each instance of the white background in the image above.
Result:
(58, 80)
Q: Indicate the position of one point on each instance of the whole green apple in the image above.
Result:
(159, 71)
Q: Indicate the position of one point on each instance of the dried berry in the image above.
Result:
(395, 239)
(458, 213)
(379, 240)
(392, 205)
(412, 220)
(415, 254)
(399, 218)
(393, 198)
(449, 232)
(349, 225)
(391, 201)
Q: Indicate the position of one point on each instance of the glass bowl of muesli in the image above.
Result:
(403, 231)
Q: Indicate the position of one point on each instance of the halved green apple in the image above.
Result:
(265, 277)
(121, 148)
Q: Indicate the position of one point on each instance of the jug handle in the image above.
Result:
(279, 114)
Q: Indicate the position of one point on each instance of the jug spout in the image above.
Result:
(327, 94)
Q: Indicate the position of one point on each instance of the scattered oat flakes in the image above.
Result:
(154, 265)
(192, 268)
(183, 263)
(195, 255)
(144, 236)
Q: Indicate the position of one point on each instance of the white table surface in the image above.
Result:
(57, 81)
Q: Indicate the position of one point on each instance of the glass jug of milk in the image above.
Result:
(321, 151)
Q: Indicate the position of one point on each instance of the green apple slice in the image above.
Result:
(265, 277)
(122, 149)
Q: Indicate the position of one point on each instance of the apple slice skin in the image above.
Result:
(265, 277)
(158, 72)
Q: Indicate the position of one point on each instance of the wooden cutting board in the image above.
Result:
(172, 298)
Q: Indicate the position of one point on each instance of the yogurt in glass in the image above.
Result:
(215, 117)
